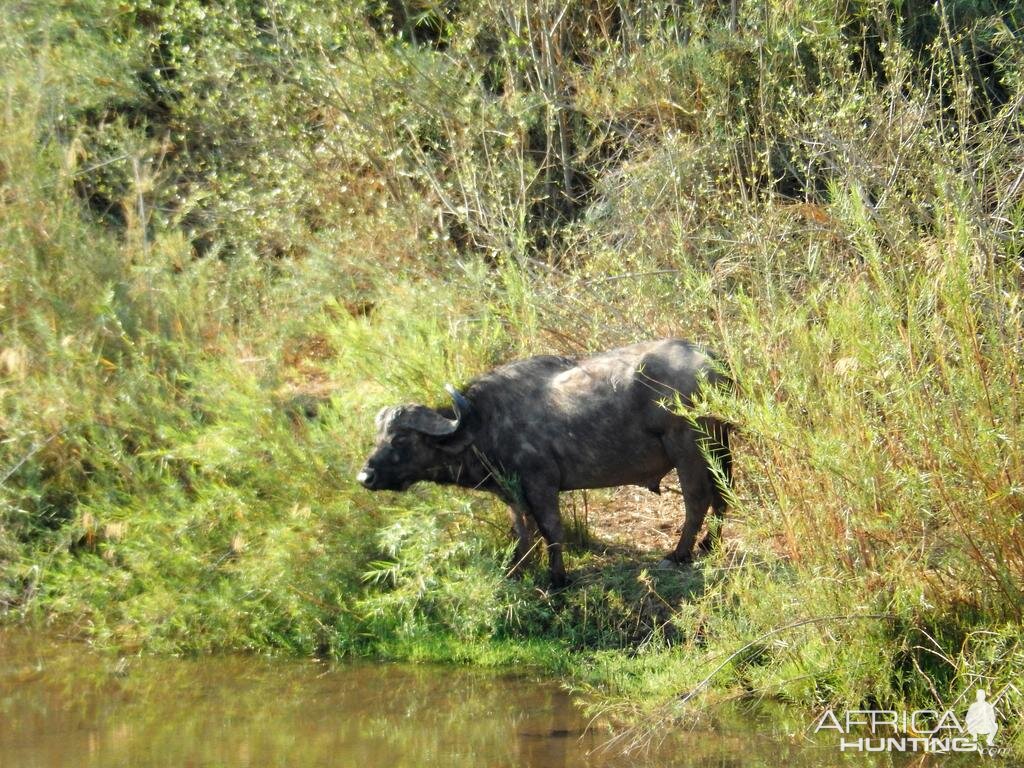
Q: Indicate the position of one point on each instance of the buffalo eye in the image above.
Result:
(398, 447)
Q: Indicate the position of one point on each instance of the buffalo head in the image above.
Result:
(415, 443)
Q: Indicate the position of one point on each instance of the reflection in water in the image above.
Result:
(61, 705)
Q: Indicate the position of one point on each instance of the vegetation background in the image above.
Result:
(231, 232)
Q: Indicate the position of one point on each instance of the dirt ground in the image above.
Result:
(630, 515)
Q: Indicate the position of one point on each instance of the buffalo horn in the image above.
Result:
(459, 400)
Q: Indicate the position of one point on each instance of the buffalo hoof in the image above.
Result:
(562, 584)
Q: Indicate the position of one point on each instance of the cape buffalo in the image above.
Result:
(532, 428)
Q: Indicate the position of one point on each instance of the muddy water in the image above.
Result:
(63, 706)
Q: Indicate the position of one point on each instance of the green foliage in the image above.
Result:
(230, 233)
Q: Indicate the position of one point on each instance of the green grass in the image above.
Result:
(229, 236)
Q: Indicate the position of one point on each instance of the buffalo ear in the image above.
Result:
(381, 417)
(460, 440)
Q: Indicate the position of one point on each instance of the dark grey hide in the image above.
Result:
(529, 429)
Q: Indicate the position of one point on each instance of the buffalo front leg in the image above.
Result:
(524, 529)
(542, 502)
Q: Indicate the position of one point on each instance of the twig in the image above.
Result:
(32, 452)
(627, 275)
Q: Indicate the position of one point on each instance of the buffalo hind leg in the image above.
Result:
(714, 534)
(720, 484)
(697, 486)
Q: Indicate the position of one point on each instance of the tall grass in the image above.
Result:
(230, 235)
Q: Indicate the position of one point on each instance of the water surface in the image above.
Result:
(61, 705)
